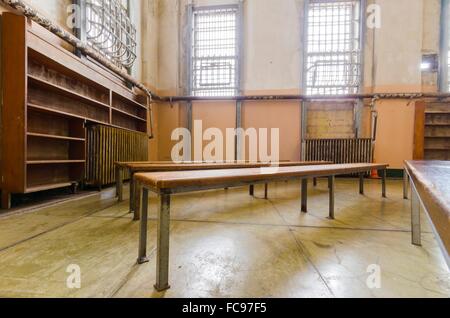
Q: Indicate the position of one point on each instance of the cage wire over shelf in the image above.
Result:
(110, 31)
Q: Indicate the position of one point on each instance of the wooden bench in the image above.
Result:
(166, 184)
(158, 166)
(430, 188)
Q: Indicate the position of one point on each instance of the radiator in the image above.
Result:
(107, 145)
(339, 150)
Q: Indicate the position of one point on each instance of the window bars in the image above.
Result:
(110, 31)
(214, 52)
(444, 65)
(333, 47)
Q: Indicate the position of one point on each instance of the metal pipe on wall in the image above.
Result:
(305, 98)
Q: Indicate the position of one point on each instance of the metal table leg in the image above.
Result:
(361, 183)
(315, 182)
(331, 185)
(305, 195)
(405, 184)
(266, 191)
(142, 258)
(415, 217)
(162, 261)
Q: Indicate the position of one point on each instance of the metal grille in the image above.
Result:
(214, 51)
(107, 145)
(110, 30)
(333, 48)
(339, 150)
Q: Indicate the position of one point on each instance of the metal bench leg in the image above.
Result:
(361, 183)
(305, 195)
(137, 200)
(405, 184)
(266, 191)
(142, 258)
(383, 183)
(132, 193)
(415, 217)
(162, 261)
(251, 190)
(331, 184)
(119, 184)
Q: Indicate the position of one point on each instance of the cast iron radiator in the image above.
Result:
(107, 145)
(339, 150)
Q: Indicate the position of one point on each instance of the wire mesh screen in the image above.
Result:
(110, 30)
(333, 56)
(214, 52)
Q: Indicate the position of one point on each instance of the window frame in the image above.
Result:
(125, 35)
(305, 43)
(444, 70)
(191, 11)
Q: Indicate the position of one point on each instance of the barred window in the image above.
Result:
(214, 51)
(110, 31)
(333, 47)
(444, 64)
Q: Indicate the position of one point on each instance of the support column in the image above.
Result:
(162, 255)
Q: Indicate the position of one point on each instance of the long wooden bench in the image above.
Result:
(158, 166)
(166, 184)
(430, 188)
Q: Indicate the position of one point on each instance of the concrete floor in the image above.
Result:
(227, 244)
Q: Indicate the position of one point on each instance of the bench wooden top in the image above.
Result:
(170, 166)
(432, 181)
(175, 181)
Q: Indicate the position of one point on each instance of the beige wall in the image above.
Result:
(273, 58)
(272, 63)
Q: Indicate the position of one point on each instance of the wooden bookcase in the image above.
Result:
(49, 95)
(432, 131)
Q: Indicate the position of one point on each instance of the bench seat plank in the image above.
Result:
(168, 166)
(158, 166)
(172, 182)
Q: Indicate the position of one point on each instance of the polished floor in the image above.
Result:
(228, 244)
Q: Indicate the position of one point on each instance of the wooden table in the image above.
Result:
(430, 188)
(166, 184)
